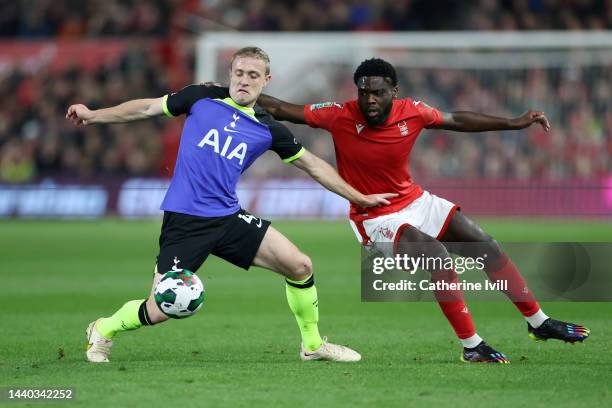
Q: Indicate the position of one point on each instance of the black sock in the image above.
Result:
(143, 315)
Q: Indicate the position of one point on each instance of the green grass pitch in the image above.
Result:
(241, 349)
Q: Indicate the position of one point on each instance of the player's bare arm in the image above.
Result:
(279, 109)
(465, 121)
(325, 175)
(282, 110)
(129, 111)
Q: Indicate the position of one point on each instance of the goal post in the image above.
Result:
(294, 55)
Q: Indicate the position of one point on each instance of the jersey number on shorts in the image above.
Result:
(248, 218)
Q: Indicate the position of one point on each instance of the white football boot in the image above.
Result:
(98, 346)
(330, 352)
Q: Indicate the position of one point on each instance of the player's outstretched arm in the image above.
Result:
(327, 176)
(282, 110)
(279, 109)
(465, 121)
(129, 111)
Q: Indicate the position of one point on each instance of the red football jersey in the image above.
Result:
(375, 159)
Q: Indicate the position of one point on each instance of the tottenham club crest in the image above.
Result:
(175, 266)
(232, 125)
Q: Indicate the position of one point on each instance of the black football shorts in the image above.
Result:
(186, 240)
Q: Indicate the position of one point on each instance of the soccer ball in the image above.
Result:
(179, 293)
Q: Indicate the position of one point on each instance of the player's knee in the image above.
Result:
(484, 239)
(301, 268)
(436, 251)
(492, 253)
(490, 247)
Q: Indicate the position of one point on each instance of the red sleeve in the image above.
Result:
(431, 116)
(322, 115)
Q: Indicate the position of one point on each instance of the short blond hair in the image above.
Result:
(253, 52)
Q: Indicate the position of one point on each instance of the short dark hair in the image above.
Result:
(375, 67)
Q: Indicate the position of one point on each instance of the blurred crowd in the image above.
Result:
(400, 15)
(77, 19)
(37, 142)
(578, 103)
(95, 18)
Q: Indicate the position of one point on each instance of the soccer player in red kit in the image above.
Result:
(373, 136)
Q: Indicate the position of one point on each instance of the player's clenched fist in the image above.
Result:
(79, 114)
(530, 117)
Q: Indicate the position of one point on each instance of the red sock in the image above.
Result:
(517, 292)
(452, 305)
